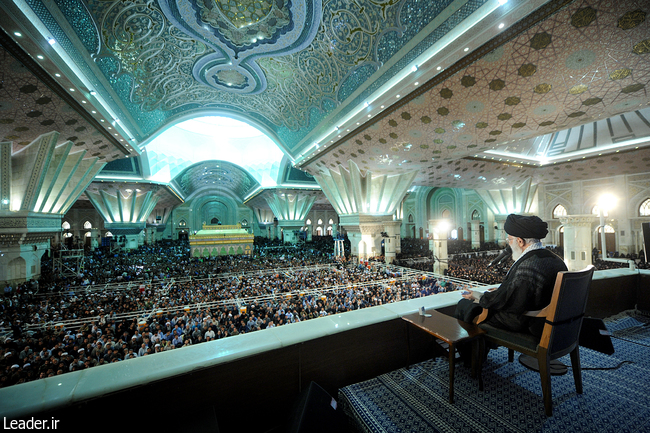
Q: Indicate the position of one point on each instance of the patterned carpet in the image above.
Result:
(416, 399)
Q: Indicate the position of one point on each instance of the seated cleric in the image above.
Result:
(528, 286)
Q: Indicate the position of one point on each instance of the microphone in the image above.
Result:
(504, 255)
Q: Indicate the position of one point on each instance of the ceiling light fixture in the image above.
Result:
(18, 34)
(51, 41)
(501, 25)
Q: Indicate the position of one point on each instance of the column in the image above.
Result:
(438, 234)
(476, 233)
(125, 213)
(365, 203)
(577, 240)
(500, 236)
(38, 186)
(291, 210)
(391, 240)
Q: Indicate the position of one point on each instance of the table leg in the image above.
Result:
(408, 346)
(452, 365)
(478, 349)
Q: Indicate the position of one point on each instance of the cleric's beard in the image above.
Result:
(517, 251)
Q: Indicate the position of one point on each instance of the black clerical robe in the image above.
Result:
(528, 286)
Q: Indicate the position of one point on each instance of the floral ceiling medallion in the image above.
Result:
(239, 32)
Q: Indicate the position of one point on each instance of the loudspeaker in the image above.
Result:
(317, 412)
(646, 239)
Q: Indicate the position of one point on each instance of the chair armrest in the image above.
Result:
(481, 317)
(539, 313)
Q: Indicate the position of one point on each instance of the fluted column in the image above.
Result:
(365, 203)
(265, 221)
(577, 240)
(38, 185)
(125, 214)
(518, 199)
(291, 211)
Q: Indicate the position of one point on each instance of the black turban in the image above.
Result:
(521, 226)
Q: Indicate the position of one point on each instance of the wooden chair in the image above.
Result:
(561, 330)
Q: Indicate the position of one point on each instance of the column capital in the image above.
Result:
(586, 220)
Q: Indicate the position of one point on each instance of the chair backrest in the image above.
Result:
(566, 310)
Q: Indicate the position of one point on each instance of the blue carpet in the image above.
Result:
(415, 399)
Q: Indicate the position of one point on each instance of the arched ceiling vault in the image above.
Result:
(469, 93)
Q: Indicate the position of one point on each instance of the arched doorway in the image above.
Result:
(610, 239)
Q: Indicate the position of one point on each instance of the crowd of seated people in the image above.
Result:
(204, 303)
(61, 326)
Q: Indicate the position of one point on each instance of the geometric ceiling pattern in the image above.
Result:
(588, 61)
(29, 108)
(557, 92)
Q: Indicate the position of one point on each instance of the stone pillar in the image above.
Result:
(500, 236)
(291, 211)
(577, 240)
(20, 257)
(391, 240)
(476, 233)
(290, 228)
(38, 185)
(125, 214)
(130, 231)
(95, 237)
(438, 234)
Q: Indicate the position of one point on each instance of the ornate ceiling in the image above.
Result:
(211, 176)
(470, 93)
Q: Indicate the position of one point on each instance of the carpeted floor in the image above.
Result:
(416, 399)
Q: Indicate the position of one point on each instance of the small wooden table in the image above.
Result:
(452, 331)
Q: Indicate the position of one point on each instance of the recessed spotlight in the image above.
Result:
(397, 96)
(382, 106)
(39, 57)
(414, 68)
(501, 25)
(94, 112)
(51, 41)
(71, 89)
(18, 34)
(57, 75)
(438, 68)
(466, 49)
(366, 105)
(416, 83)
